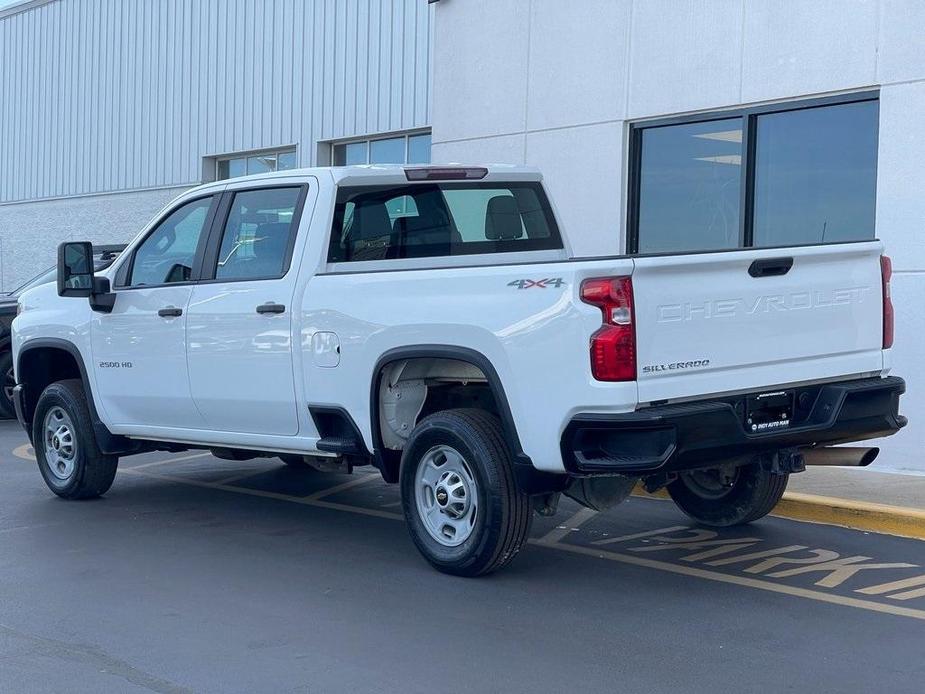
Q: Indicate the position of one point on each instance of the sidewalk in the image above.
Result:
(862, 484)
(864, 499)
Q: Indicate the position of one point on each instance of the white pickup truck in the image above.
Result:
(432, 322)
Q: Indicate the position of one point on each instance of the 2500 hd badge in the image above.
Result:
(675, 365)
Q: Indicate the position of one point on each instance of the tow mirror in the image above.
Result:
(75, 268)
(76, 277)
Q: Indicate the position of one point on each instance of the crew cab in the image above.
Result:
(433, 323)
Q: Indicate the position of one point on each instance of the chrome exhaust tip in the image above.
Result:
(840, 456)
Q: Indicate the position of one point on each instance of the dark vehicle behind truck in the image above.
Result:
(103, 257)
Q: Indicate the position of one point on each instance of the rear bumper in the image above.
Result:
(690, 435)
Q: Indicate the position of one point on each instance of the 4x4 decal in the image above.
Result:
(542, 284)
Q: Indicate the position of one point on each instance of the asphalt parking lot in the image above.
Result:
(197, 574)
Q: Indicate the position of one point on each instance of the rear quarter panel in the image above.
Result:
(535, 335)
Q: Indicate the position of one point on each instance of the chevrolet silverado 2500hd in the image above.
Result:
(430, 321)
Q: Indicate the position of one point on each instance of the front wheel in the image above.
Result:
(65, 446)
(464, 510)
(725, 496)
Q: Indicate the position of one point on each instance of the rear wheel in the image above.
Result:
(9, 382)
(724, 496)
(464, 510)
(65, 446)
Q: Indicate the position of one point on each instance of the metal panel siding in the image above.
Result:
(105, 95)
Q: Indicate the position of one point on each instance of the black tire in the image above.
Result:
(295, 461)
(90, 473)
(6, 395)
(502, 516)
(752, 494)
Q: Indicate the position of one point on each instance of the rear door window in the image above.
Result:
(259, 233)
(440, 219)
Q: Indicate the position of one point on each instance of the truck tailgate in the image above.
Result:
(741, 320)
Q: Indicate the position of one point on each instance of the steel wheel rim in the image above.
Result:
(60, 443)
(446, 496)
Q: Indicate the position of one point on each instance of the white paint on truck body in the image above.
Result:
(522, 312)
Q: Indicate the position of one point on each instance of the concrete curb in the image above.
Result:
(846, 513)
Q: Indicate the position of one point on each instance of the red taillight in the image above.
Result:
(613, 346)
(886, 273)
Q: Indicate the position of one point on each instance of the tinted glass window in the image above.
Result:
(286, 160)
(689, 186)
(810, 172)
(255, 164)
(167, 254)
(261, 164)
(816, 175)
(351, 154)
(391, 151)
(405, 149)
(230, 168)
(419, 149)
(258, 234)
(428, 219)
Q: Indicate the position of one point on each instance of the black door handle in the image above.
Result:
(170, 312)
(770, 267)
(270, 307)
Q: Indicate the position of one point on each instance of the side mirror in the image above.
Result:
(76, 278)
(75, 268)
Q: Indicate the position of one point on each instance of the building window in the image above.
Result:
(782, 175)
(232, 166)
(413, 148)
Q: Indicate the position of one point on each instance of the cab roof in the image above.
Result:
(393, 174)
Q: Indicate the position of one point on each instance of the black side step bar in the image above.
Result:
(335, 444)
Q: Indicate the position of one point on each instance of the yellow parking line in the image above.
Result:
(593, 552)
(178, 459)
(580, 517)
(736, 580)
(305, 501)
(237, 478)
(350, 484)
(844, 513)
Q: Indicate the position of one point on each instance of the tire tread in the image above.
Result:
(516, 511)
(96, 474)
(754, 496)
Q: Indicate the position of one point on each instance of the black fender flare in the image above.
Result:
(528, 477)
(109, 443)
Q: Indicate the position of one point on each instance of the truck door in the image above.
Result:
(139, 350)
(240, 317)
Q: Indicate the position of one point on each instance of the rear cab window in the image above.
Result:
(428, 220)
